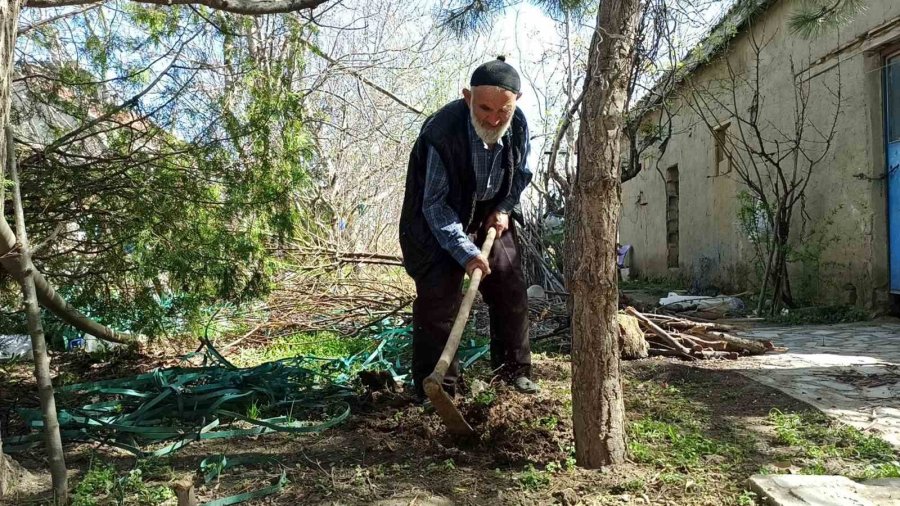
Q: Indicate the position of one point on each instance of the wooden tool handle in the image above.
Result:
(463, 315)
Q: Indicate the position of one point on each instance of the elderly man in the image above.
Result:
(466, 173)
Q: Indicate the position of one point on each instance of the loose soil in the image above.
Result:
(695, 436)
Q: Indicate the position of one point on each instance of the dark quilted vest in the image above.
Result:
(447, 131)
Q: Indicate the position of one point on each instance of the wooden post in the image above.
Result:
(184, 491)
(52, 437)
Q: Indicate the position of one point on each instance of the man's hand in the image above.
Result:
(479, 262)
(498, 220)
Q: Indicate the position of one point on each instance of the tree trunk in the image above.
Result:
(52, 438)
(9, 14)
(781, 295)
(592, 227)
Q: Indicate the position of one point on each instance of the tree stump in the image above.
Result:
(184, 491)
(632, 343)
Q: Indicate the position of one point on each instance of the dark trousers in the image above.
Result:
(439, 295)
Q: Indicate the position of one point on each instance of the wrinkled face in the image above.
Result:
(492, 110)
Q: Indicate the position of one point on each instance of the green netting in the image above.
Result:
(160, 412)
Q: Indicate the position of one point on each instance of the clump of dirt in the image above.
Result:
(518, 429)
(552, 370)
(512, 428)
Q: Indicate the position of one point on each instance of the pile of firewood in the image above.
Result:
(670, 336)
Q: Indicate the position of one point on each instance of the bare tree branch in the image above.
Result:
(251, 7)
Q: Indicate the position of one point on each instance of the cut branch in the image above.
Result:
(15, 264)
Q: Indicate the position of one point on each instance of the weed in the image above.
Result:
(533, 479)
(817, 438)
(630, 486)
(549, 423)
(673, 479)
(747, 498)
(814, 468)
(253, 410)
(102, 484)
(98, 481)
(486, 397)
(882, 470)
(570, 462)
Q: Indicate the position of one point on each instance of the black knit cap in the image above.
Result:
(496, 73)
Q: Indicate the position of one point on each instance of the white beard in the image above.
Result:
(489, 136)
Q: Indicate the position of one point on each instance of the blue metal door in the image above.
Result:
(892, 136)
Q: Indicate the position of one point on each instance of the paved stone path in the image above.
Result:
(849, 371)
(801, 490)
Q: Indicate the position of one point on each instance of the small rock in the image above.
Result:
(536, 292)
(566, 497)
(477, 387)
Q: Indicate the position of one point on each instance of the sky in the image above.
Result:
(524, 32)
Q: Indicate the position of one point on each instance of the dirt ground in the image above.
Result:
(695, 435)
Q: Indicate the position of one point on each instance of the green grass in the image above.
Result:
(676, 447)
(313, 344)
(672, 432)
(818, 440)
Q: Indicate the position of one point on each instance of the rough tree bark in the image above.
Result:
(592, 226)
(52, 438)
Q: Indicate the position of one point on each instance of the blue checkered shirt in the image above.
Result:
(444, 223)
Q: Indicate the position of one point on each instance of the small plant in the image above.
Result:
(253, 410)
(533, 479)
(883, 470)
(444, 465)
(102, 484)
(486, 397)
(548, 422)
(747, 498)
(818, 439)
(97, 482)
(677, 479)
(630, 486)
(324, 345)
(816, 467)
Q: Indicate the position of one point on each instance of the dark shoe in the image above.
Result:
(525, 385)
